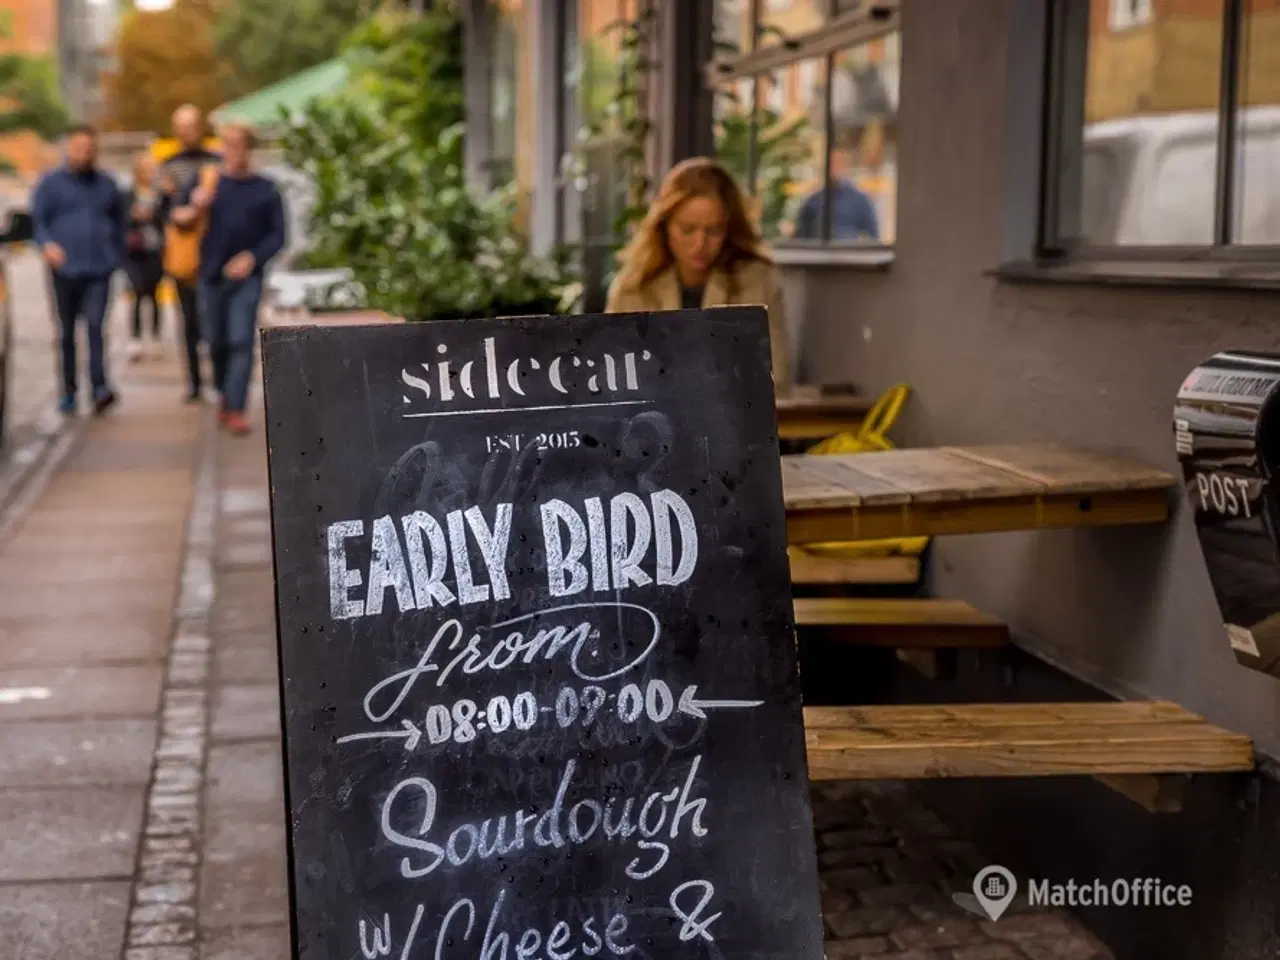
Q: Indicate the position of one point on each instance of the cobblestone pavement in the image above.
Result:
(142, 812)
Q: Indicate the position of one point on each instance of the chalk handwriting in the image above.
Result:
(561, 942)
(381, 945)
(412, 562)
(693, 923)
(659, 820)
(495, 648)
(464, 721)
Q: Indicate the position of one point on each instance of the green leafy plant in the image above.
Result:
(419, 243)
(29, 94)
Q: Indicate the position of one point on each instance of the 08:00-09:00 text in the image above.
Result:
(465, 719)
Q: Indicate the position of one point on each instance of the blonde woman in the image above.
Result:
(697, 247)
(144, 244)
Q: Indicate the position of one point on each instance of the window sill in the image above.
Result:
(1203, 274)
(874, 258)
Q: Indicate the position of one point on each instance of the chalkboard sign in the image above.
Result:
(538, 666)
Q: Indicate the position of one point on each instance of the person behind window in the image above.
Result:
(697, 247)
(853, 215)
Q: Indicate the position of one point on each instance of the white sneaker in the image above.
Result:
(135, 350)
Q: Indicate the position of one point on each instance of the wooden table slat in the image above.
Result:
(1067, 470)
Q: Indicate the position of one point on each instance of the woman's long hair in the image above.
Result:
(647, 253)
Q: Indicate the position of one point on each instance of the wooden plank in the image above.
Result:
(805, 486)
(1066, 470)
(1024, 714)
(810, 426)
(888, 611)
(839, 471)
(812, 400)
(815, 523)
(809, 568)
(929, 476)
(910, 622)
(1015, 740)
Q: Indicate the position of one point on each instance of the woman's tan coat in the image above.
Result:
(753, 281)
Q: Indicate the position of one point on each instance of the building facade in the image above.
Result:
(1078, 202)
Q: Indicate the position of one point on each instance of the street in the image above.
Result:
(142, 813)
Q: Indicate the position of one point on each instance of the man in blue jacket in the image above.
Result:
(245, 229)
(80, 222)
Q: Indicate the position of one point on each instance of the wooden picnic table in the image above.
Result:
(965, 490)
(810, 413)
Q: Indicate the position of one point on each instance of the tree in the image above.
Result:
(165, 58)
(265, 41)
(29, 95)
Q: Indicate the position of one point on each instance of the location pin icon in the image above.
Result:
(994, 888)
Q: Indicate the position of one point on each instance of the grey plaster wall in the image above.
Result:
(1129, 609)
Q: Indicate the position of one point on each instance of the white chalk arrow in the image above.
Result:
(410, 735)
(698, 708)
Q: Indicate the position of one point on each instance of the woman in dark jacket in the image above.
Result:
(144, 252)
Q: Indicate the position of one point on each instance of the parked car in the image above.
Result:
(1150, 180)
(19, 229)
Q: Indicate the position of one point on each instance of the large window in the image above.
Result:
(1165, 129)
(812, 133)
(598, 103)
(505, 89)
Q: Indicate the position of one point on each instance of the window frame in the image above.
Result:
(822, 47)
(1066, 52)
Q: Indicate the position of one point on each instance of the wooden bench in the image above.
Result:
(1131, 746)
(809, 569)
(907, 622)
(809, 413)
(963, 490)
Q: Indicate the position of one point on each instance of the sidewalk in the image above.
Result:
(88, 580)
(141, 805)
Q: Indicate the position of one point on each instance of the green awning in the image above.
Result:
(262, 107)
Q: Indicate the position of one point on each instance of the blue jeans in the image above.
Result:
(229, 317)
(76, 297)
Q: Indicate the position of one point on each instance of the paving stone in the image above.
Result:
(247, 664)
(123, 690)
(51, 921)
(102, 598)
(59, 753)
(857, 948)
(988, 951)
(82, 641)
(243, 891)
(260, 943)
(245, 773)
(1074, 947)
(246, 711)
(69, 834)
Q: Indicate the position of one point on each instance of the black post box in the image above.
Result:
(1227, 433)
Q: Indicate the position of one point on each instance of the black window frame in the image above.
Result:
(1066, 52)
(787, 52)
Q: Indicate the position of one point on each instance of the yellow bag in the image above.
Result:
(870, 437)
(182, 244)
